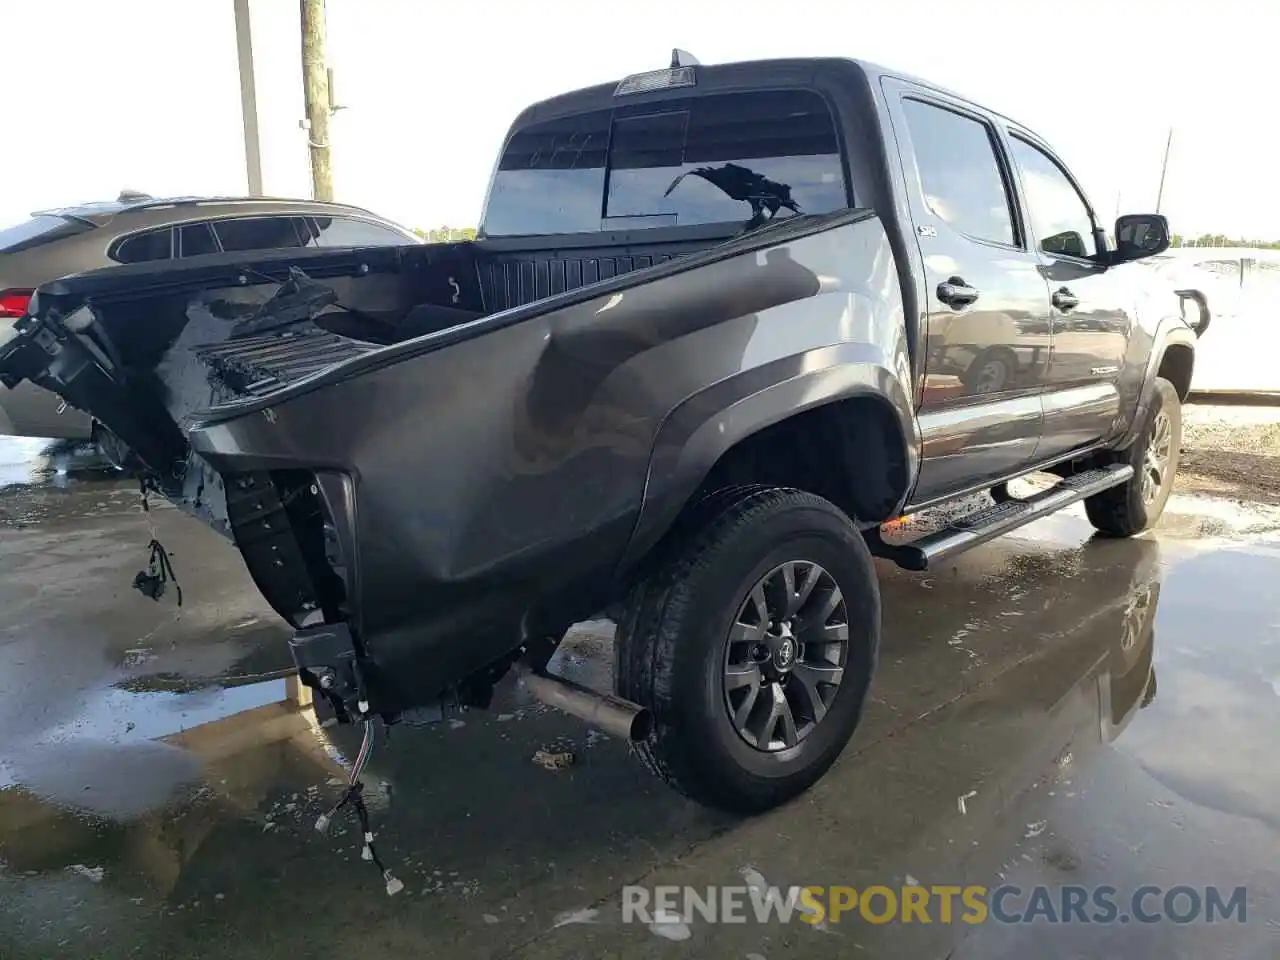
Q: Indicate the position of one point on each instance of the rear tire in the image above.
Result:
(1135, 506)
(695, 643)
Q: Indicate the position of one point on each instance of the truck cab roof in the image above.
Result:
(726, 77)
(590, 161)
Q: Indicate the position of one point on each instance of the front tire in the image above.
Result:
(1136, 505)
(753, 644)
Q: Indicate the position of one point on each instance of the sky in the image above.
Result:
(145, 94)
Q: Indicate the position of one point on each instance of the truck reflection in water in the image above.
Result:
(1079, 668)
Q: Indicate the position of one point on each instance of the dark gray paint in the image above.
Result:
(972, 436)
(1077, 371)
(536, 459)
(496, 480)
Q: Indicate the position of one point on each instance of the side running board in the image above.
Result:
(988, 523)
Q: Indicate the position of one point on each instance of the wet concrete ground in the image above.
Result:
(154, 804)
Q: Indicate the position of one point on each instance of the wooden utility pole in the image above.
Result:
(315, 85)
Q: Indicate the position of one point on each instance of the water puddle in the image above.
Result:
(109, 758)
(21, 460)
(1201, 516)
(120, 715)
(37, 476)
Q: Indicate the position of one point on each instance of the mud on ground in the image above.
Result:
(1231, 451)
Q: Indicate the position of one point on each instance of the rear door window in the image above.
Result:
(146, 247)
(39, 230)
(959, 172)
(347, 232)
(196, 239)
(259, 233)
(725, 158)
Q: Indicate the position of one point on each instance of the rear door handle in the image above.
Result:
(955, 293)
(1065, 300)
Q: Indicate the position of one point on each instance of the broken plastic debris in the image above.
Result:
(1035, 829)
(669, 926)
(553, 759)
(820, 925)
(755, 879)
(582, 915)
(960, 800)
(912, 881)
(489, 918)
(95, 874)
(760, 886)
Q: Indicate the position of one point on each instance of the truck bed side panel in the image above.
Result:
(496, 484)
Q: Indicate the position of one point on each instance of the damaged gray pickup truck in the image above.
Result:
(720, 325)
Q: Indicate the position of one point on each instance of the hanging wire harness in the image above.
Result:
(354, 795)
(153, 581)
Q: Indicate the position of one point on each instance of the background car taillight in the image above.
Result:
(13, 303)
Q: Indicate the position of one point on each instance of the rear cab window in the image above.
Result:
(682, 161)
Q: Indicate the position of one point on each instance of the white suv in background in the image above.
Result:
(1241, 288)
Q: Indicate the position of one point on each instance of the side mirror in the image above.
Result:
(1140, 235)
(1069, 243)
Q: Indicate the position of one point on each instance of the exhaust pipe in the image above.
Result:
(613, 715)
